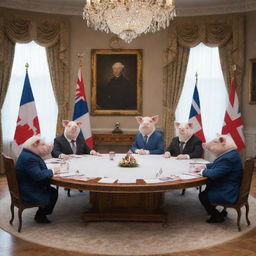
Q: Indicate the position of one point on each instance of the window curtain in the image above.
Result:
(225, 32)
(50, 33)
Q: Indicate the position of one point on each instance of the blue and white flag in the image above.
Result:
(27, 121)
(81, 111)
(195, 115)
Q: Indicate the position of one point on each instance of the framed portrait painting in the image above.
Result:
(116, 87)
(252, 81)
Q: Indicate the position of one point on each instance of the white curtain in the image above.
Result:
(211, 88)
(40, 81)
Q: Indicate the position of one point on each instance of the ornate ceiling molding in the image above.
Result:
(76, 7)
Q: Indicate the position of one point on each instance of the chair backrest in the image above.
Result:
(246, 180)
(11, 178)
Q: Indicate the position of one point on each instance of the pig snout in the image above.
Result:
(74, 128)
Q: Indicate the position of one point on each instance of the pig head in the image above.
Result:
(147, 124)
(220, 145)
(72, 129)
(185, 130)
(38, 146)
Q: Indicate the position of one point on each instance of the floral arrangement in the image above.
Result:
(128, 161)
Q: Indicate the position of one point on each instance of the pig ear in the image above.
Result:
(190, 125)
(79, 123)
(65, 123)
(139, 119)
(222, 140)
(155, 118)
(177, 124)
(36, 142)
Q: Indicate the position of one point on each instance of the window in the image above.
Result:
(40, 81)
(211, 88)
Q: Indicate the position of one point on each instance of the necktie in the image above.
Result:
(145, 139)
(73, 146)
(182, 143)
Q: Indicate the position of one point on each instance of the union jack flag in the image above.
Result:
(233, 124)
(195, 115)
(81, 111)
(27, 121)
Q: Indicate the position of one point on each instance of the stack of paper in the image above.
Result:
(127, 180)
(107, 180)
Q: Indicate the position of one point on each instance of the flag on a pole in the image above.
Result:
(233, 124)
(195, 115)
(81, 111)
(27, 121)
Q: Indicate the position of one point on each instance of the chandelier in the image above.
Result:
(128, 18)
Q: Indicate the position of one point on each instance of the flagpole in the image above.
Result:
(196, 75)
(26, 66)
(234, 72)
(80, 59)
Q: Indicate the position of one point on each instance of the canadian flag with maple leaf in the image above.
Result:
(27, 121)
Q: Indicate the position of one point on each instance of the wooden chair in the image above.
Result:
(244, 193)
(14, 190)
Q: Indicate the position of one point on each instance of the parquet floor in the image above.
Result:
(12, 246)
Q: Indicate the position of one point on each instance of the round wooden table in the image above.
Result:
(138, 201)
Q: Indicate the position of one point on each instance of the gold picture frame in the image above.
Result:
(252, 81)
(116, 94)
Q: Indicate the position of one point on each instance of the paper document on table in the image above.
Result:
(52, 161)
(127, 180)
(152, 180)
(199, 162)
(81, 177)
(187, 177)
(107, 180)
(66, 174)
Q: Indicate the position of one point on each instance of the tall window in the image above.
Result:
(211, 88)
(41, 85)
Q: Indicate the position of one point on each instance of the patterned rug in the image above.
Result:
(187, 228)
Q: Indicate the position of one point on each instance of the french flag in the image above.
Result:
(81, 111)
(195, 115)
(27, 121)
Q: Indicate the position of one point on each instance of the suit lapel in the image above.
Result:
(67, 145)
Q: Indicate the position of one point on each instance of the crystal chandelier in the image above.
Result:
(128, 18)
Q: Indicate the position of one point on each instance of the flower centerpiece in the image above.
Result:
(128, 161)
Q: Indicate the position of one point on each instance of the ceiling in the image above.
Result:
(183, 7)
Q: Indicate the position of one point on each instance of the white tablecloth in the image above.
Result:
(149, 166)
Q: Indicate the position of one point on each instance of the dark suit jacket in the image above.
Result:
(155, 143)
(224, 175)
(62, 146)
(193, 147)
(33, 178)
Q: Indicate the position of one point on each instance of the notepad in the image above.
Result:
(126, 180)
(107, 180)
(152, 181)
(187, 177)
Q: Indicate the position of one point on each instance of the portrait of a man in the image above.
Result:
(116, 82)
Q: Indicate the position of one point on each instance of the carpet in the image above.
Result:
(187, 228)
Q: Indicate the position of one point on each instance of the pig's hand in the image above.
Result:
(182, 157)
(198, 169)
(64, 157)
(56, 170)
(142, 152)
(129, 152)
(94, 153)
(167, 154)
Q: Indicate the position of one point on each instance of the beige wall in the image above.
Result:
(249, 111)
(84, 39)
